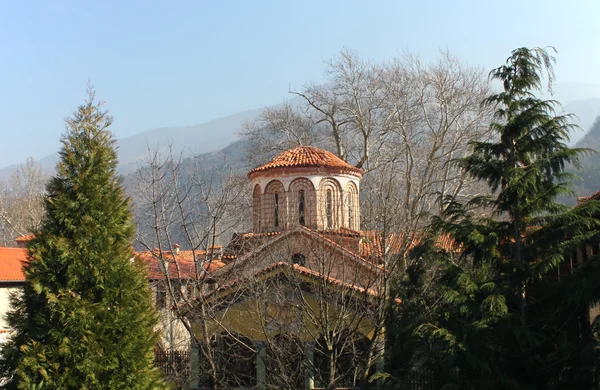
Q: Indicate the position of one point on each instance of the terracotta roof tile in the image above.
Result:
(583, 199)
(307, 157)
(12, 259)
(180, 265)
(372, 243)
(11, 264)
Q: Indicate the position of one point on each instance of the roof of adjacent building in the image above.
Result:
(307, 157)
(11, 264)
(184, 264)
(180, 265)
(583, 199)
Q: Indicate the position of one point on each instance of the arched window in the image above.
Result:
(329, 209)
(299, 258)
(353, 208)
(303, 197)
(331, 213)
(276, 210)
(350, 216)
(301, 218)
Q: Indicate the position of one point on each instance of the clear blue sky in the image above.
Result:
(160, 63)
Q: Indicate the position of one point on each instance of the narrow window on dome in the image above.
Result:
(350, 214)
(301, 217)
(276, 210)
(328, 209)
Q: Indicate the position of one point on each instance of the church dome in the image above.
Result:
(307, 157)
(305, 186)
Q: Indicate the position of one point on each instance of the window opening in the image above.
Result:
(301, 217)
(328, 209)
(298, 258)
(276, 210)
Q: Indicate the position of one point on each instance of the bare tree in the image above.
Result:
(278, 129)
(402, 121)
(22, 201)
(185, 209)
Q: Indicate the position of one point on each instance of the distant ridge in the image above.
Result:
(197, 139)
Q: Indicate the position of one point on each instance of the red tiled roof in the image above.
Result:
(372, 243)
(307, 157)
(583, 199)
(11, 264)
(12, 259)
(180, 265)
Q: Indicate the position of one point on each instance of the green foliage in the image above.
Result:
(495, 315)
(84, 320)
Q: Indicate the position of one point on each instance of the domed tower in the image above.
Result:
(306, 186)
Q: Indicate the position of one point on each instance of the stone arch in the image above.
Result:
(352, 205)
(274, 207)
(330, 204)
(302, 203)
(256, 207)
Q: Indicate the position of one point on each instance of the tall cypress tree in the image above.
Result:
(85, 319)
(501, 319)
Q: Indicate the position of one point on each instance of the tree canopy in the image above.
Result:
(84, 320)
(494, 314)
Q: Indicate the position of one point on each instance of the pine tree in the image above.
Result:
(85, 319)
(501, 321)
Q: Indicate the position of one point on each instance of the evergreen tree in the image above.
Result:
(85, 319)
(501, 320)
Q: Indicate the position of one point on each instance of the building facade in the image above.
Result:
(297, 300)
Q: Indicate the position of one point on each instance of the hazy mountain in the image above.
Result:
(589, 174)
(198, 139)
(569, 92)
(586, 111)
(583, 100)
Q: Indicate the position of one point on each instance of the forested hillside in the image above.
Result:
(590, 169)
